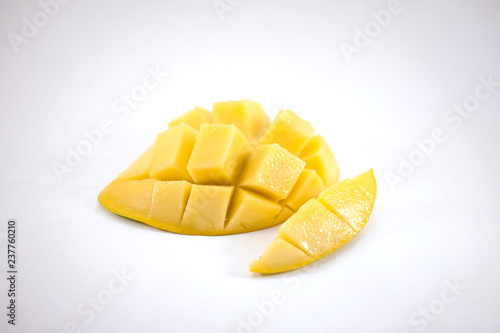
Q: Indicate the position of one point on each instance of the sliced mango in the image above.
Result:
(194, 118)
(319, 157)
(209, 175)
(317, 229)
(271, 171)
(218, 154)
(247, 115)
(289, 131)
(171, 152)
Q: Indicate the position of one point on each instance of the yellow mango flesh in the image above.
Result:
(319, 157)
(206, 209)
(316, 229)
(194, 118)
(247, 115)
(308, 186)
(271, 171)
(348, 200)
(154, 202)
(203, 177)
(140, 168)
(249, 211)
(218, 155)
(289, 131)
(171, 152)
(280, 256)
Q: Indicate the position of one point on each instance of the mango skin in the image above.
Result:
(317, 228)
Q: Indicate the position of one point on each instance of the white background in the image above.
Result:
(438, 226)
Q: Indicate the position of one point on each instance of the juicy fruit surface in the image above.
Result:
(321, 226)
(224, 172)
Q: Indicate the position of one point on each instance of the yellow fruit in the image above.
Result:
(194, 118)
(247, 115)
(249, 211)
(208, 175)
(218, 154)
(308, 186)
(171, 153)
(206, 209)
(271, 171)
(317, 229)
(319, 157)
(289, 131)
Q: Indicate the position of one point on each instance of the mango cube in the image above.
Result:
(272, 171)
(194, 118)
(318, 156)
(247, 115)
(250, 211)
(171, 153)
(206, 209)
(168, 202)
(140, 168)
(308, 186)
(218, 154)
(289, 131)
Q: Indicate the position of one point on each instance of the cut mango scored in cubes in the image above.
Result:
(226, 171)
(218, 154)
(318, 228)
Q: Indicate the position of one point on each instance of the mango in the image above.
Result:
(247, 115)
(209, 175)
(206, 209)
(250, 211)
(194, 118)
(218, 154)
(289, 131)
(171, 152)
(271, 171)
(320, 226)
(319, 157)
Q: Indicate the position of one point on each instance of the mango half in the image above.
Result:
(224, 172)
(321, 225)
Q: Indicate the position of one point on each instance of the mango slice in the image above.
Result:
(171, 153)
(319, 157)
(194, 118)
(289, 131)
(209, 175)
(247, 115)
(317, 228)
(218, 154)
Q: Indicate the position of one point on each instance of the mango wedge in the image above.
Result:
(321, 226)
(225, 172)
